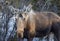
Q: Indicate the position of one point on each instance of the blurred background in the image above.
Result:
(7, 15)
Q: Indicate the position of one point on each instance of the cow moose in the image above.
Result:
(38, 24)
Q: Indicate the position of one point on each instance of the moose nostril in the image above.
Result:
(19, 35)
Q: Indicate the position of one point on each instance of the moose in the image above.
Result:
(37, 24)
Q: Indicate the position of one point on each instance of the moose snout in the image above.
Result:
(20, 34)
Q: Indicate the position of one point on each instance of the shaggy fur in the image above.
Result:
(38, 24)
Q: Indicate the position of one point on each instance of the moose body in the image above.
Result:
(38, 24)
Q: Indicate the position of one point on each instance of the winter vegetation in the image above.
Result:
(10, 9)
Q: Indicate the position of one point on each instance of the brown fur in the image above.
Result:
(38, 24)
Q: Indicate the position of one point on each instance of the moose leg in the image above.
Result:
(32, 28)
(30, 39)
(57, 34)
(31, 32)
(56, 30)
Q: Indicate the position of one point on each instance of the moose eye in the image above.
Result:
(20, 15)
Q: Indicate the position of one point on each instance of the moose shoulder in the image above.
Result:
(38, 24)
